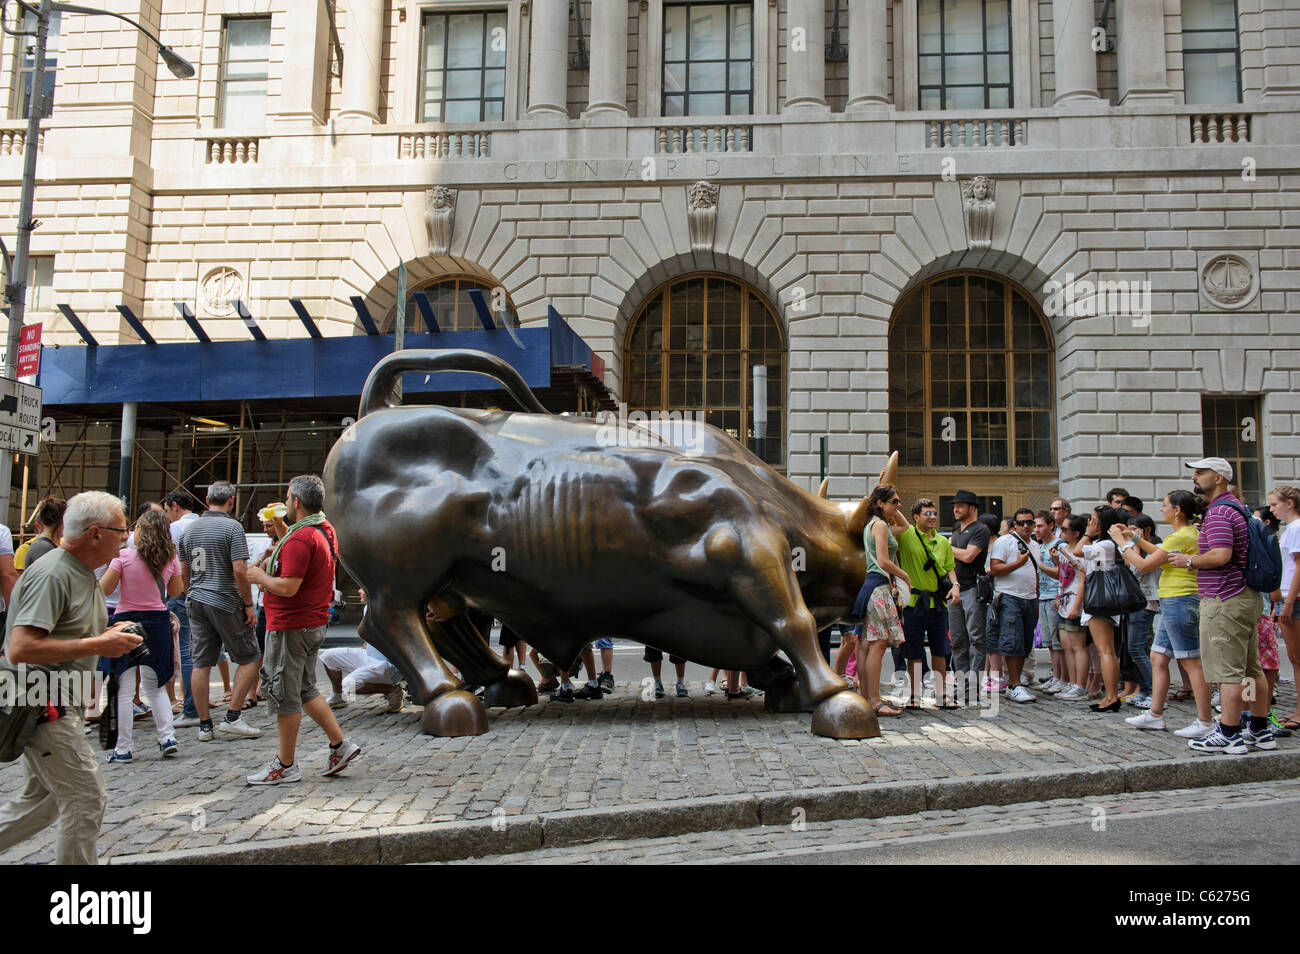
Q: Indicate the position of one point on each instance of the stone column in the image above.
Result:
(548, 59)
(868, 54)
(1141, 48)
(307, 57)
(608, 77)
(363, 43)
(1076, 62)
(805, 66)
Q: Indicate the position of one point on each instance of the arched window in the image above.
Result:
(970, 377)
(452, 306)
(693, 347)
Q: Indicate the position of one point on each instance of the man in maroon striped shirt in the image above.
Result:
(1229, 610)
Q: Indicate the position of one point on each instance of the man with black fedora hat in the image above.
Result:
(966, 617)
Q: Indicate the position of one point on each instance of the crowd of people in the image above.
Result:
(1021, 583)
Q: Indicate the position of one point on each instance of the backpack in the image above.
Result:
(1263, 569)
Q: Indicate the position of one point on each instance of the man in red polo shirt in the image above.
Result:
(297, 581)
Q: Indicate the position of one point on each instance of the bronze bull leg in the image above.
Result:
(398, 630)
(459, 641)
(767, 590)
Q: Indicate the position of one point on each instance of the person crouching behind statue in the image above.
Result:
(298, 584)
(881, 626)
(367, 671)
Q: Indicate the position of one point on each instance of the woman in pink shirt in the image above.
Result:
(148, 574)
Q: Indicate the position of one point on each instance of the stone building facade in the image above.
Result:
(915, 254)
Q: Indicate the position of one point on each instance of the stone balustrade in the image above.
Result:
(231, 152)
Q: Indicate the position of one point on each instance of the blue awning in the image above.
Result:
(295, 368)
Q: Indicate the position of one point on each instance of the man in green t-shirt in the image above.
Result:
(928, 560)
(58, 623)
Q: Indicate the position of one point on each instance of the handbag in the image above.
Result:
(1112, 591)
(17, 726)
(984, 588)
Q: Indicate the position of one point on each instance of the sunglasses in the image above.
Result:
(896, 501)
(929, 513)
(1024, 523)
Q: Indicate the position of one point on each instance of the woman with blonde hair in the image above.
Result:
(1284, 501)
(148, 574)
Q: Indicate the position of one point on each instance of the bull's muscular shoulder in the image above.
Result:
(690, 495)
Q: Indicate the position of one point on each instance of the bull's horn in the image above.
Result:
(857, 521)
(890, 474)
(821, 488)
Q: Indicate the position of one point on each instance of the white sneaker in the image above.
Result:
(1020, 694)
(1145, 720)
(336, 701)
(239, 728)
(1052, 686)
(1025, 680)
(710, 687)
(1072, 693)
(1196, 730)
(928, 680)
(900, 682)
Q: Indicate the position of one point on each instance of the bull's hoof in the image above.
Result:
(515, 688)
(784, 695)
(454, 713)
(845, 715)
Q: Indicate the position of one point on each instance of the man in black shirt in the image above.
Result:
(966, 618)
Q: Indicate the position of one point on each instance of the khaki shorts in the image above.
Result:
(289, 668)
(211, 628)
(1229, 648)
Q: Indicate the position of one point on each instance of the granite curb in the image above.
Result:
(486, 837)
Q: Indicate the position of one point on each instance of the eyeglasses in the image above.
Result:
(1059, 508)
(122, 530)
(895, 501)
(1024, 523)
(929, 513)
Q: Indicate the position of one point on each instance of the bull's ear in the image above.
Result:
(856, 522)
(821, 488)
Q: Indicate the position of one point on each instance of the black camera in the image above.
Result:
(139, 652)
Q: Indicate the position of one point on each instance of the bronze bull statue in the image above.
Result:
(567, 531)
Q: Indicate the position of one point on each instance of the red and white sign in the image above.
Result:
(29, 350)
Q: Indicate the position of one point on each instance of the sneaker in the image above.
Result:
(1052, 686)
(1279, 730)
(139, 711)
(682, 691)
(184, 722)
(1145, 720)
(1020, 694)
(168, 748)
(205, 733)
(589, 691)
(989, 686)
(606, 682)
(126, 756)
(1263, 739)
(900, 682)
(1002, 680)
(239, 728)
(396, 699)
(710, 687)
(747, 692)
(1025, 680)
(563, 694)
(336, 701)
(659, 690)
(1216, 741)
(339, 758)
(928, 680)
(548, 685)
(1196, 730)
(276, 773)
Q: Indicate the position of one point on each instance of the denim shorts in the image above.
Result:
(1015, 633)
(1178, 627)
(605, 643)
(1276, 610)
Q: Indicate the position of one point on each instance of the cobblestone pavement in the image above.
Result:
(619, 751)
(809, 842)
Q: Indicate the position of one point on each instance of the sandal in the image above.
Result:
(1182, 695)
(249, 704)
(1291, 724)
(885, 705)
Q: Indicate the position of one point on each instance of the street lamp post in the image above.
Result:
(16, 271)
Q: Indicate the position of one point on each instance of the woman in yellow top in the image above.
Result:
(1178, 631)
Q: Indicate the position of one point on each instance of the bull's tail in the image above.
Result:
(384, 375)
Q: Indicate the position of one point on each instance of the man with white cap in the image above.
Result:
(1229, 610)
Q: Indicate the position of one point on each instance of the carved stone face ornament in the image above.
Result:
(702, 214)
(980, 208)
(440, 218)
